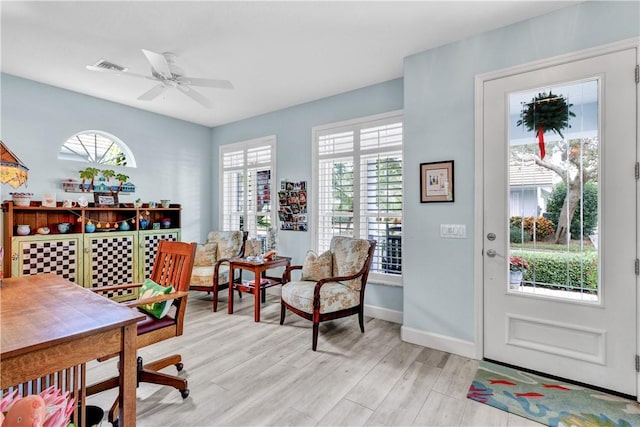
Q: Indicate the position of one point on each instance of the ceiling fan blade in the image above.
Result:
(220, 84)
(195, 95)
(158, 63)
(153, 93)
(115, 72)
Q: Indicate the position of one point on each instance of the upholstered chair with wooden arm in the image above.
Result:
(163, 300)
(331, 285)
(211, 267)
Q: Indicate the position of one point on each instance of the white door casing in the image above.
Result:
(594, 343)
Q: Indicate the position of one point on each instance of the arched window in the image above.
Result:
(98, 147)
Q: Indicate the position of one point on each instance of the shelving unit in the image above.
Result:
(105, 257)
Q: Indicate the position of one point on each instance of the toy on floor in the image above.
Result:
(51, 408)
(30, 411)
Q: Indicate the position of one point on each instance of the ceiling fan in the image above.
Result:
(167, 74)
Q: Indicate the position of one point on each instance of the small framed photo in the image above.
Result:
(49, 200)
(436, 182)
(105, 200)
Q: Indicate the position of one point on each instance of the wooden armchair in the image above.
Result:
(172, 267)
(332, 284)
(211, 266)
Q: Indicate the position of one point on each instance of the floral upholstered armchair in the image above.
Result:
(211, 266)
(331, 284)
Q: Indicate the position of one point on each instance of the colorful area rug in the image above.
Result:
(548, 401)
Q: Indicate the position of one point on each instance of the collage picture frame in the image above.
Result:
(292, 201)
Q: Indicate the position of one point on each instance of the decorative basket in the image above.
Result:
(21, 199)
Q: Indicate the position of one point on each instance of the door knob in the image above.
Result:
(491, 253)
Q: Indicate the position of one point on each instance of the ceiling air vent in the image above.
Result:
(106, 65)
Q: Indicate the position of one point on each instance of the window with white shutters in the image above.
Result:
(358, 186)
(246, 179)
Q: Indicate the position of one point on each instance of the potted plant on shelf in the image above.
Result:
(517, 267)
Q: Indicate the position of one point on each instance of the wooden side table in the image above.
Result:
(259, 269)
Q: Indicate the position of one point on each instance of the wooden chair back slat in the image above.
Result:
(169, 266)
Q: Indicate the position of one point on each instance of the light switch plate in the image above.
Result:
(453, 231)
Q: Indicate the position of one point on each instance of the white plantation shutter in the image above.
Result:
(381, 137)
(233, 200)
(381, 208)
(333, 143)
(359, 189)
(246, 180)
(259, 156)
(336, 184)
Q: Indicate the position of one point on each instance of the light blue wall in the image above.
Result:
(292, 128)
(179, 160)
(172, 155)
(439, 125)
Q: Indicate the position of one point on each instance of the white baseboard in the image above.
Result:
(439, 342)
(382, 313)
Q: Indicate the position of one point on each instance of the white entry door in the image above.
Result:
(569, 217)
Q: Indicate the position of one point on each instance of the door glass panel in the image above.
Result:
(554, 192)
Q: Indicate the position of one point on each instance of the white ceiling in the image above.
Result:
(276, 54)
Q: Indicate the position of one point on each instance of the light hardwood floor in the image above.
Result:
(243, 373)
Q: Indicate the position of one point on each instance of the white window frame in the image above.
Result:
(67, 154)
(245, 146)
(354, 125)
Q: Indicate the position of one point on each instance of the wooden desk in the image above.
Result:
(258, 269)
(50, 324)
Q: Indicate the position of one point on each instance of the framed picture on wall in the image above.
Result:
(436, 182)
(105, 200)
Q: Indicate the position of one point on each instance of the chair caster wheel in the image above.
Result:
(184, 393)
(179, 366)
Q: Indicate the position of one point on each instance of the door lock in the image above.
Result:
(491, 236)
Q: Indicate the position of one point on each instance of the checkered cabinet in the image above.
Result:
(110, 259)
(88, 259)
(48, 254)
(113, 258)
(91, 260)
